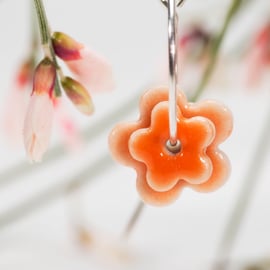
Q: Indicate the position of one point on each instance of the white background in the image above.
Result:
(185, 235)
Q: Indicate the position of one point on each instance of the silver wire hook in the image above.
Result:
(172, 51)
(178, 3)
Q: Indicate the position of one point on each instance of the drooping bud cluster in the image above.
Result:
(92, 72)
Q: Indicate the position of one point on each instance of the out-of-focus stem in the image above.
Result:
(134, 219)
(244, 197)
(235, 6)
(22, 210)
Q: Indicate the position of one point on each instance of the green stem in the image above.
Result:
(244, 197)
(46, 40)
(34, 40)
(235, 6)
(34, 29)
(134, 219)
(39, 200)
(43, 22)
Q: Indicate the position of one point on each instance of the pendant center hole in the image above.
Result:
(173, 148)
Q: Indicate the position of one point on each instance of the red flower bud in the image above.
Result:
(66, 47)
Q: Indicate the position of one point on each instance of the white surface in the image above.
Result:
(132, 34)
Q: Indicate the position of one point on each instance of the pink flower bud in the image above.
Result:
(44, 77)
(38, 120)
(78, 95)
(90, 68)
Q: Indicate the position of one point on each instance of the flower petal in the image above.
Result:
(93, 71)
(37, 126)
(153, 197)
(165, 169)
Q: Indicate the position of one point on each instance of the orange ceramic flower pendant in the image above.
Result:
(197, 163)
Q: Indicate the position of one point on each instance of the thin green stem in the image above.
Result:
(21, 210)
(34, 39)
(134, 219)
(234, 8)
(246, 193)
(46, 39)
(43, 22)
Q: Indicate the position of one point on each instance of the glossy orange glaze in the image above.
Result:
(164, 169)
(202, 127)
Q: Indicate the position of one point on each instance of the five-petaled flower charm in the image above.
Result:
(161, 173)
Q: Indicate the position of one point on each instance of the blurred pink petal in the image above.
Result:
(254, 67)
(258, 58)
(93, 71)
(37, 126)
(68, 126)
(14, 113)
(24, 74)
(16, 103)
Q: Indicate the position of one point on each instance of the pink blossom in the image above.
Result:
(68, 126)
(38, 120)
(92, 70)
(38, 125)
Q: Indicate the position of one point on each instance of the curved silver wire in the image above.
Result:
(172, 51)
(178, 3)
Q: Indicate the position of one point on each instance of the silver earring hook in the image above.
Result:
(172, 52)
(178, 3)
